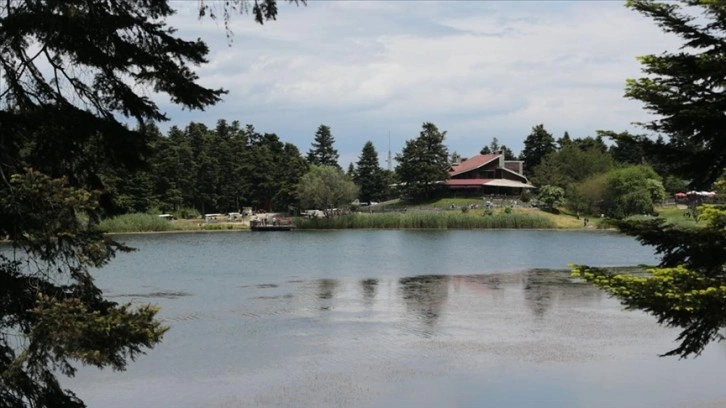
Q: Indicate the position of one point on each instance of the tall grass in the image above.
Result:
(429, 220)
(137, 222)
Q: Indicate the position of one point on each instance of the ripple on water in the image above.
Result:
(157, 294)
(182, 317)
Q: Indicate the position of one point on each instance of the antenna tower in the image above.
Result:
(389, 151)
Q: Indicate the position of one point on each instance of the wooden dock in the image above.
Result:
(257, 225)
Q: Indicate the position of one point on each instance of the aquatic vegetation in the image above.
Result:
(428, 220)
(137, 222)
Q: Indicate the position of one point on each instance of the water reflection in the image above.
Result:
(369, 287)
(537, 294)
(510, 338)
(326, 291)
(425, 297)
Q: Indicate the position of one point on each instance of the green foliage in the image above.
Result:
(51, 303)
(687, 290)
(574, 163)
(423, 163)
(632, 190)
(588, 195)
(507, 152)
(565, 140)
(674, 184)
(136, 222)
(495, 147)
(369, 176)
(429, 220)
(186, 213)
(677, 297)
(322, 152)
(684, 89)
(526, 196)
(719, 185)
(537, 145)
(325, 187)
(551, 196)
(626, 150)
(74, 73)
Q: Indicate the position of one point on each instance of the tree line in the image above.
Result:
(199, 169)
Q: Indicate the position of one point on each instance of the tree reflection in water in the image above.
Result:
(543, 287)
(538, 291)
(370, 287)
(326, 292)
(425, 297)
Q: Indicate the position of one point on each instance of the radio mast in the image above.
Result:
(389, 151)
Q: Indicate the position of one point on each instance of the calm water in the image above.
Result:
(392, 319)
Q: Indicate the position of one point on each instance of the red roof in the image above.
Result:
(472, 163)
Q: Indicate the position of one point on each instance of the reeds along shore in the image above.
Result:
(424, 220)
(137, 222)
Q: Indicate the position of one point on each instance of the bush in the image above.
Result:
(526, 196)
(186, 213)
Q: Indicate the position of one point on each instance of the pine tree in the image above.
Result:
(368, 174)
(322, 152)
(685, 90)
(537, 145)
(423, 162)
(71, 77)
(564, 140)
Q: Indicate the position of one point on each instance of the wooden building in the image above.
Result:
(487, 174)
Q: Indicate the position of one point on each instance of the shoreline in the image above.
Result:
(195, 231)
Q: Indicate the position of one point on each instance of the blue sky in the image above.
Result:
(477, 69)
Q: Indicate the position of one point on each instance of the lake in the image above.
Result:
(392, 319)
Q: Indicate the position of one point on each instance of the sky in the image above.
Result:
(476, 69)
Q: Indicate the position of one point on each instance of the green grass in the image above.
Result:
(673, 215)
(429, 220)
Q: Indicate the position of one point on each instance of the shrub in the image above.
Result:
(187, 213)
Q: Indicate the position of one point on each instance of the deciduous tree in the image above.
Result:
(570, 165)
(551, 196)
(632, 190)
(325, 187)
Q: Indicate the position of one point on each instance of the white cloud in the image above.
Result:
(477, 69)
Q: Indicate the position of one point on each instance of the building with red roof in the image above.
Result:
(488, 174)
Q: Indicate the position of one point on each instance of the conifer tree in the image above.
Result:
(368, 174)
(73, 73)
(322, 152)
(424, 162)
(685, 90)
(537, 145)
